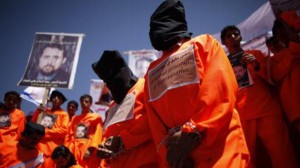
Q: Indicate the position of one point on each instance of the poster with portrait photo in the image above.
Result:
(139, 61)
(53, 60)
(48, 120)
(241, 71)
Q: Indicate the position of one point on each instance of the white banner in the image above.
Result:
(139, 60)
(96, 89)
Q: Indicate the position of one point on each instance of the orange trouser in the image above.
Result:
(236, 160)
(273, 133)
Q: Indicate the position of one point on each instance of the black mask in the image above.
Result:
(114, 71)
(168, 25)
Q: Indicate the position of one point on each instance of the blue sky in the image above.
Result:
(107, 24)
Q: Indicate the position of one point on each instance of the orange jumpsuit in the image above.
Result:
(129, 121)
(12, 154)
(94, 123)
(54, 136)
(78, 147)
(195, 83)
(261, 116)
(17, 118)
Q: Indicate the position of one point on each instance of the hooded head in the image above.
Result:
(114, 71)
(168, 25)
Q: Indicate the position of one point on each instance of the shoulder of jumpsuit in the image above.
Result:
(138, 86)
(18, 112)
(294, 48)
(61, 112)
(256, 53)
(205, 41)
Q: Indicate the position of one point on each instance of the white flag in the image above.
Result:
(34, 94)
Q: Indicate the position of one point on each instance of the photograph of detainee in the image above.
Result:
(4, 119)
(48, 121)
(51, 61)
(241, 75)
(81, 131)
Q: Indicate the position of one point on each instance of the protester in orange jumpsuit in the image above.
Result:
(94, 123)
(64, 158)
(14, 118)
(72, 107)
(127, 138)
(285, 69)
(190, 93)
(260, 111)
(55, 135)
(23, 152)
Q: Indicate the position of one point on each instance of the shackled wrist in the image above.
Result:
(192, 131)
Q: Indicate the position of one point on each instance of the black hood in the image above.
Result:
(168, 25)
(114, 71)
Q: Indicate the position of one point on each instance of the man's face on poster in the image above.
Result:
(51, 60)
(80, 131)
(239, 72)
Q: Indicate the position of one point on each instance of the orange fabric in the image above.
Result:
(79, 146)
(259, 103)
(13, 132)
(140, 150)
(209, 103)
(54, 136)
(95, 124)
(13, 154)
(257, 100)
(273, 133)
(285, 70)
(291, 18)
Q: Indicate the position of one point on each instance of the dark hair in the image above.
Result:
(276, 26)
(15, 93)
(33, 128)
(228, 28)
(73, 102)
(63, 151)
(86, 96)
(2, 106)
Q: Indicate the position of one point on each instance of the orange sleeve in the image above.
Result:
(60, 127)
(262, 60)
(218, 89)
(97, 137)
(21, 124)
(70, 134)
(35, 115)
(139, 131)
(137, 134)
